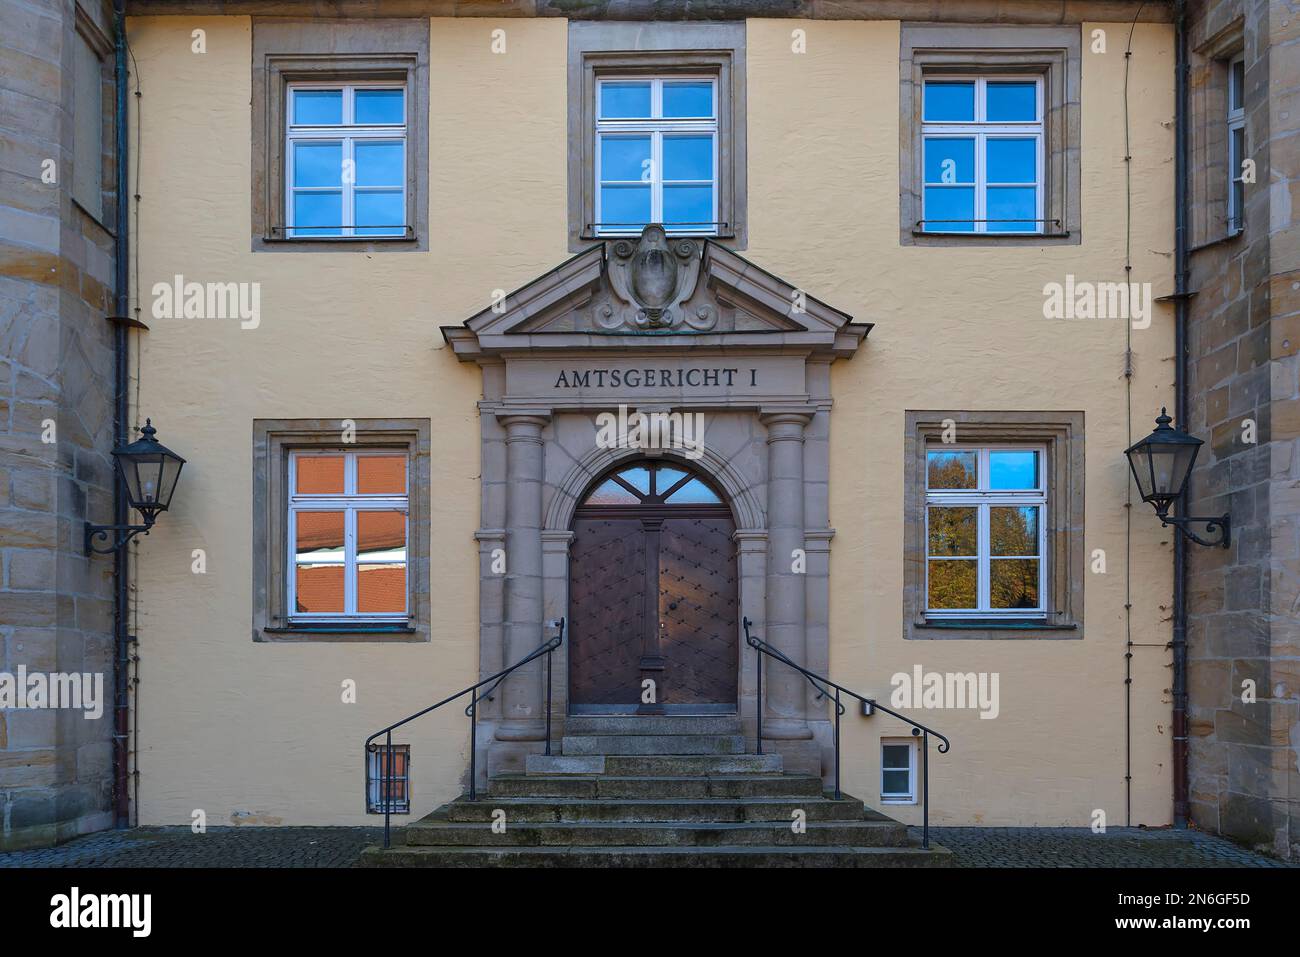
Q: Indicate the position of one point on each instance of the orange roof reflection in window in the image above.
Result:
(381, 588)
(380, 532)
(320, 474)
(381, 474)
(319, 589)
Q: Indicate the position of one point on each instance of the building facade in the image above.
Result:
(894, 286)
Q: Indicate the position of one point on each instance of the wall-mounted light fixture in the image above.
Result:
(1162, 464)
(149, 472)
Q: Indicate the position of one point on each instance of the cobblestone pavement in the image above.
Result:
(339, 847)
(1079, 847)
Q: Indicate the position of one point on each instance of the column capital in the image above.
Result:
(785, 426)
(509, 417)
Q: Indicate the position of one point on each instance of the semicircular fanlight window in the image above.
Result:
(649, 483)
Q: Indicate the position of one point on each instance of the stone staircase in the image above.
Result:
(655, 792)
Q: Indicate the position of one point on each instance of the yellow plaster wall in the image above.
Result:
(259, 731)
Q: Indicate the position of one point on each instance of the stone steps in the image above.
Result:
(578, 810)
(589, 724)
(883, 833)
(648, 786)
(609, 744)
(689, 856)
(654, 791)
(654, 765)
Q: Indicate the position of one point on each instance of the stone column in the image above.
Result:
(522, 695)
(785, 715)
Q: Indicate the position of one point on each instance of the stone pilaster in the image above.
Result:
(522, 701)
(785, 714)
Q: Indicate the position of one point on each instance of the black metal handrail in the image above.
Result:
(386, 769)
(918, 729)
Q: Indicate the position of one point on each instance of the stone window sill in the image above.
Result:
(994, 628)
(344, 632)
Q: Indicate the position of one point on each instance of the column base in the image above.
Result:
(529, 730)
(785, 729)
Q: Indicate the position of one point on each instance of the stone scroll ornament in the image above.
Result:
(653, 277)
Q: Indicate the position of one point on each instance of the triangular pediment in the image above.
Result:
(655, 291)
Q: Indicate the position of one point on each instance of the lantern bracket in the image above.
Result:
(1222, 524)
(107, 532)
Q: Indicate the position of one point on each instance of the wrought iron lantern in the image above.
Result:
(149, 472)
(1162, 464)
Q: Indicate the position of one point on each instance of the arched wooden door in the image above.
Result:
(652, 595)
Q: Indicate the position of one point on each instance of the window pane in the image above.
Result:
(319, 562)
(953, 531)
(379, 164)
(688, 157)
(380, 107)
(952, 469)
(625, 159)
(691, 99)
(952, 583)
(1009, 203)
(1013, 582)
(381, 536)
(381, 561)
(625, 205)
(1237, 82)
(951, 102)
(666, 478)
(895, 756)
(610, 492)
(321, 210)
(950, 208)
(895, 782)
(693, 492)
(317, 164)
(1011, 160)
(639, 478)
(624, 100)
(381, 589)
(1013, 530)
(688, 205)
(1011, 102)
(317, 107)
(381, 474)
(1013, 469)
(949, 159)
(384, 211)
(319, 474)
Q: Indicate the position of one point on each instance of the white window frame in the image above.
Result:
(981, 130)
(892, 797)
(982, 498)
(346, 133)
(657, 127)
(350, 502)
(1236, 122)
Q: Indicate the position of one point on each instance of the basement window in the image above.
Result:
(897, 771)
(388, 784)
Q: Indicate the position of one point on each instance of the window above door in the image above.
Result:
(656, 130)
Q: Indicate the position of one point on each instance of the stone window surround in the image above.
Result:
(291, 50)
(1063, 434)
(657, 49)
(930, 49)
(1208, 120)
(273, 440)
(103, 48)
